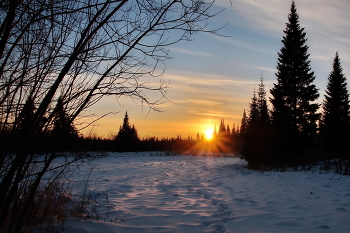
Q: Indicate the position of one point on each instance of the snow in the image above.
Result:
(152, 192)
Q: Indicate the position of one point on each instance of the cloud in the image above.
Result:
(270, 15)
(251, 45)
(265, 69)
(265, 16)
(212, 114)
(185, 51)
(326, 24)
(205, 79)
(204, 102)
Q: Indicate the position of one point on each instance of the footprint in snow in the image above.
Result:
(220, 217)
(208, 224)
(324, 227)
(220, 229)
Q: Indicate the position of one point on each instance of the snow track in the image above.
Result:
(157, 193)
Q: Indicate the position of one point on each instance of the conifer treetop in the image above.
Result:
(336, 102)
(335, 124)
(294, 91)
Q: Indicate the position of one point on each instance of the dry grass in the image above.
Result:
(52, 205)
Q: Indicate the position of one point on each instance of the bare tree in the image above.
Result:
(76, 52)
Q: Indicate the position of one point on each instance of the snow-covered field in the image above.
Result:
(156, 193)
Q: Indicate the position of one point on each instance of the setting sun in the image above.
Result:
(209, 134)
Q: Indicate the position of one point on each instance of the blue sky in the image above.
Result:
(213, 77)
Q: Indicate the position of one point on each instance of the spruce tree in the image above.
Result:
(256, 140)
(335, 121)
(244, 123)
(62, 125)
(127, 136)
(264, 117)
(293, 113)
(63, 133)
(253, 119)
(222, 128)
(233, 132)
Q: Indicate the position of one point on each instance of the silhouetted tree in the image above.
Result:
(254, 143)
(215, 133)
(127, 138)
(222, 127)
(244, 123)
(264, 116)
(247, 138)
(63, 134)
(293, 114)
(17, 136)
(233, 132)
(223, 137)
(254, 115)
(335, 121)
(24, 118)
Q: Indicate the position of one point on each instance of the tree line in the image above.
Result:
(297, 130)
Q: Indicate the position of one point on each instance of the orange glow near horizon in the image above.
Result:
(165, 127)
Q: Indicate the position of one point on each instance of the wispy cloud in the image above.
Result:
(212, 114)
(185, 51)
(205, 79)
(270, 15)
(326, 23)
(204, 102)
(265, 16)
(255, 46)
(265, 68)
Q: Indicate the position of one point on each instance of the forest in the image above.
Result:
(296, 130)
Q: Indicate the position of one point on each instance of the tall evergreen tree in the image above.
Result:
(127, 136)
(255, 142)
(253, 119)
(335, 121)
(61, 122)
(222, 127)
(244, 123)
(233, 132)
(63, 132)
(293, 113)
(264, 116)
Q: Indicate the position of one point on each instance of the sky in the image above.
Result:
(214, 77)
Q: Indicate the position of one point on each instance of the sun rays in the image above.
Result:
(212, 144)
(209, 134)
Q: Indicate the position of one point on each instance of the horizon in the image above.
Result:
(210, 83)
